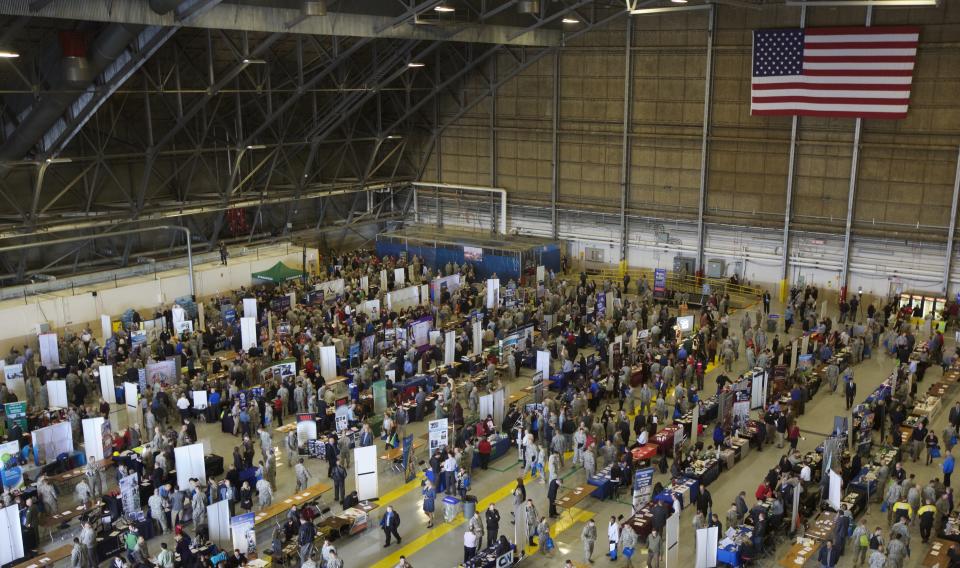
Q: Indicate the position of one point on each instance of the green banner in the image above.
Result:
(379, 397)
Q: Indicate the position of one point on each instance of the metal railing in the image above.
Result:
(741, 295)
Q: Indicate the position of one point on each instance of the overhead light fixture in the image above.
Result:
(444, 9)
(8, 54)
(394, 137)
(248, 61)
(415, 65)
(570, 21)
(58, 160)
(256, 146)
(679, 1)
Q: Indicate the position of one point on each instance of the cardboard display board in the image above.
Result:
(306, 430)
(106, 327)
(331, 288)
(49, 351)
(51, 441)
(57, 394)
(218, 521)
(365, 283)
(365, 472)
(250, 308)
(11, 535)
(541, 274)
(93, 437)
(189, 464)
(403, 298)
(836, 491)
(328, 362)
(477, 337)
(399, 277)
(107, 386)
(371, 308)
(199, 399)
(449, 347)
(707, 540)
(248, 333)
(130, 394)
(493, 293)
(671, 540)
(543, 363)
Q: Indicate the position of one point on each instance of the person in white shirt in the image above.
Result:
(613, 537)
(183, 404)
(644, 437)
(450, 473)
(805, 473)
(469, 545)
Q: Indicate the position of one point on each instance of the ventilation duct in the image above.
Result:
(75, 66)
(72, 76)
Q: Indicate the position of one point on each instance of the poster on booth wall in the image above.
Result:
(243, 535)
(13, 376)
(49, 351)
(741, 413)
(659, 280)
(130, 494)
(643, 485)
(16, 412)
(283, 369)
(438, 434)
(161, 372)
(10, 470)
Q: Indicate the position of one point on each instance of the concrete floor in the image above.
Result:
(442, 546)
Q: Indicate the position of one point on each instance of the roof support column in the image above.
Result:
(625, 143)
(705, 136)
(852, 193)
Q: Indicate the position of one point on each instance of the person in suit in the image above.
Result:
(390, 523)
(552, 491)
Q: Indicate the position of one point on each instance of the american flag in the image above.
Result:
(861, 72)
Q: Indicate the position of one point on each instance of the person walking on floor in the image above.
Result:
(948, 463)
(469, 545)
(223, 253)
(493, 524)
(390, 523)
(588, 536)
(654, 545)
(613, 537)
(429, 502)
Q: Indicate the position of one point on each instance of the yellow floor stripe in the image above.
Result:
(441, 529)
(563, 523)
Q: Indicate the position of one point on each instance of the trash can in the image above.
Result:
(772, 322)
(450, 507)
(469, 506)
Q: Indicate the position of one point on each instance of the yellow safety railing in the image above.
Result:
(741, 295)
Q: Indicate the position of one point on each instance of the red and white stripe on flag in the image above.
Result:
(864, 72)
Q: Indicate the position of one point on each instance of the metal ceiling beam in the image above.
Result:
(272, 19)
(197, 207)
(133, 58)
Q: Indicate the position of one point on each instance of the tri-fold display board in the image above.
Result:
(189, 463)
(11, 536)
(107, 386)
(57, 394)
(93, 437)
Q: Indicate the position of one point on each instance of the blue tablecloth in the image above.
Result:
(731, 554)
(604, 486)
(499, 449)
(859, 483)
(669, 494)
